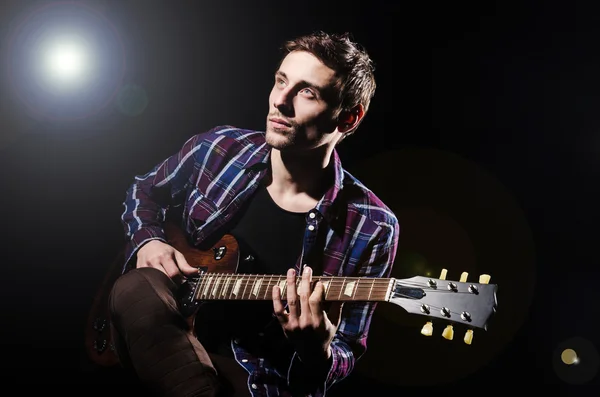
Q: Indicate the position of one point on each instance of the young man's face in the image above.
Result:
(301, 108)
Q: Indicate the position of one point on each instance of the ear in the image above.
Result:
(349, 119)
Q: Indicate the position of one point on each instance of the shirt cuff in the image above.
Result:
(138, 239)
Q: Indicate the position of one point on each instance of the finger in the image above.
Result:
(183, 265)
(304, 294)
(142, 263)
(153, 264)
(335, 313)
(171, 269)
(292, 297)
(316, 303)
(278, 308)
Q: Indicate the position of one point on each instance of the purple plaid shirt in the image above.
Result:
(350, 231)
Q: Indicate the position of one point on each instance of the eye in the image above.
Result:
(308, 92)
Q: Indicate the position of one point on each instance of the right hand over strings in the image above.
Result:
(165, 258)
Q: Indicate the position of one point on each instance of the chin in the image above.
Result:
(277, 140)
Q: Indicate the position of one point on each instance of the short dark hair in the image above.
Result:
(348, 59)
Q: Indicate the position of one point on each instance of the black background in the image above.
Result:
(510, 90)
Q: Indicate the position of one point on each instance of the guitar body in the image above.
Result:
(220, 257)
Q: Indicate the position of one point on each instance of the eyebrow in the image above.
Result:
(321, 89)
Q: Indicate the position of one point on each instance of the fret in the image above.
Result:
(234, 279)
(231, 288)
(256, 288)
(224, 289)
(259, 287)
(207, 286)
(341, 288)
(216, 286)
(282, 286)
(267, 289)
(200, 287)
(355, 289)
(236, 288)
(348, 288)
(245, 282)
(326, 287)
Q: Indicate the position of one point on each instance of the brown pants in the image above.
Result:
(154, 341)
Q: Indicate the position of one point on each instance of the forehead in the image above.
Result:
(304, 66)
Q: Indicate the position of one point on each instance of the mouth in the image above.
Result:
(277, 122)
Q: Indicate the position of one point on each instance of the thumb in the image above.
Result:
(183, 265)
(335, 312)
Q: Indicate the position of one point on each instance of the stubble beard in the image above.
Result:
(280, 140)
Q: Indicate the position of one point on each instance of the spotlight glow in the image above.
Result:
(67, 62)
(569, 357)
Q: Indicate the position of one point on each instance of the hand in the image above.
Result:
(165, 258)
(307, 325)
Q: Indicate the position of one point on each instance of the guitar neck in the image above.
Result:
(224, 286)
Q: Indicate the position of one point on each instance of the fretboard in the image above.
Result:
(224, 286)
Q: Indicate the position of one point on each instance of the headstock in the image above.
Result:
(471, 304)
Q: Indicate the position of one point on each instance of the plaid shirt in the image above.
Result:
(350, 232)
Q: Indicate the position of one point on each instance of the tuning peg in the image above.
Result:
(469, 336)
(484, 279)
(443, 274)
(463, 277)
(427, 329)
(448, 332)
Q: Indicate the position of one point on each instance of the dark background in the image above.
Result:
(483, 136)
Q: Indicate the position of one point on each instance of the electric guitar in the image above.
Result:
(458, 302)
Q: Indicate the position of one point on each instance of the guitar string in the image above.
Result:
(415, 303)
(358, 291)
(340, 281)
(332, 279)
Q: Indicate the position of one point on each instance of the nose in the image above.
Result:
(283, 102)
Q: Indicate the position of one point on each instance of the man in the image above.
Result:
(294, 211)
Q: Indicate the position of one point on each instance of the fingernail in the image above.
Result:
(306, 270)
(291, 272)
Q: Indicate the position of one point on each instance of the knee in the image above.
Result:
(144, 289)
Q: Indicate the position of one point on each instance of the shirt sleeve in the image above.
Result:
(350, 341)
(149, 196)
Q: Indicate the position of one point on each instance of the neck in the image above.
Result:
(226, 286)
(294, 173)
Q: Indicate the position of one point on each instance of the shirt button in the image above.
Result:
(236, 341)
(311, 227)
(312, 215)
(245, 360)
(254, 386)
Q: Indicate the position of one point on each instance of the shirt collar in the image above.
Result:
(330, 201)
(327, 205)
